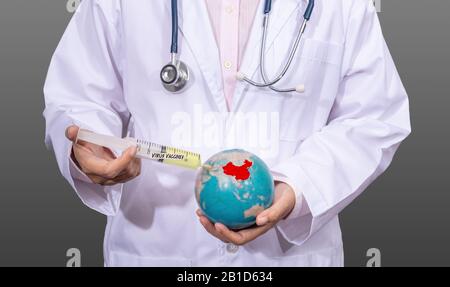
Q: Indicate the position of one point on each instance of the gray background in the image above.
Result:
(405, 213)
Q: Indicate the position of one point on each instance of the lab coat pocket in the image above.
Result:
(321, 64)
(318, 67)
(314, 60)
(117, 259)
(322, 51)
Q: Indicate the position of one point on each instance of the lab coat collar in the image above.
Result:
(196, 30)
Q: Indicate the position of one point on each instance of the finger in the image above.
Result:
(254, 232)
(98, 179)
(134, 169)
(127, 172)
(242, 236)
(114, 167)
(93, 149)
(282, 205)
(125, 177)
(234, 237)
(210, 228)
(90, 164)
(98, 151)
(81, 146)
(199, 212)
(104, 151)
(138, 165)
(273, 214)
(72, 132)
(138, 162)
(108, 182)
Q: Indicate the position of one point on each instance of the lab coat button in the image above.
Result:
(231, 248)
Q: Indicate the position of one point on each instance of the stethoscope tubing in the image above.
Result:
(174, 44)
(262, 60)
(177, 64)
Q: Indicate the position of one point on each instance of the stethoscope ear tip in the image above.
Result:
(300, 89)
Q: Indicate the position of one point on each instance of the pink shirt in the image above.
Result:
(232, 22)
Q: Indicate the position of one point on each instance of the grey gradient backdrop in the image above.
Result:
(405, 213)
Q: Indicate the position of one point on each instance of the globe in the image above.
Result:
(233, 187)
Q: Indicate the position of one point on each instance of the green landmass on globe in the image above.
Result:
(233, 187)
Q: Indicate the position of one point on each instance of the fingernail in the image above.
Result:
(133, 151)
(262, 220)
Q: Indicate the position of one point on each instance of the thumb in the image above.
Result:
(71, 133)
(119, 164)
(274, 213)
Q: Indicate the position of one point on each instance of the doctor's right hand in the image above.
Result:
(100, 164)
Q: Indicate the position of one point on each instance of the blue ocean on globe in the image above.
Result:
(233, 187)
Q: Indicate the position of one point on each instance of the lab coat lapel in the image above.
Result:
(196, 29)
(282, 11)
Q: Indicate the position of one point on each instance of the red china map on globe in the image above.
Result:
(239, 172)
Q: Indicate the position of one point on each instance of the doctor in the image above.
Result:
(333, 133)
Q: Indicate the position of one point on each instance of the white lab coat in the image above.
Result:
(331, 142)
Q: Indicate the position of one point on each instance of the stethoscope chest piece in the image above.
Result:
(175, 76)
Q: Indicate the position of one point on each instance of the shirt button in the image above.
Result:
(229, 9)
(231, 248)
(227, 64)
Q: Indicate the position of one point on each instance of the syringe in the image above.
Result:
(145, 149)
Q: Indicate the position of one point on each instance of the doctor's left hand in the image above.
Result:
(282, 206)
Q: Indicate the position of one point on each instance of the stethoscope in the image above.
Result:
(175, 75)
